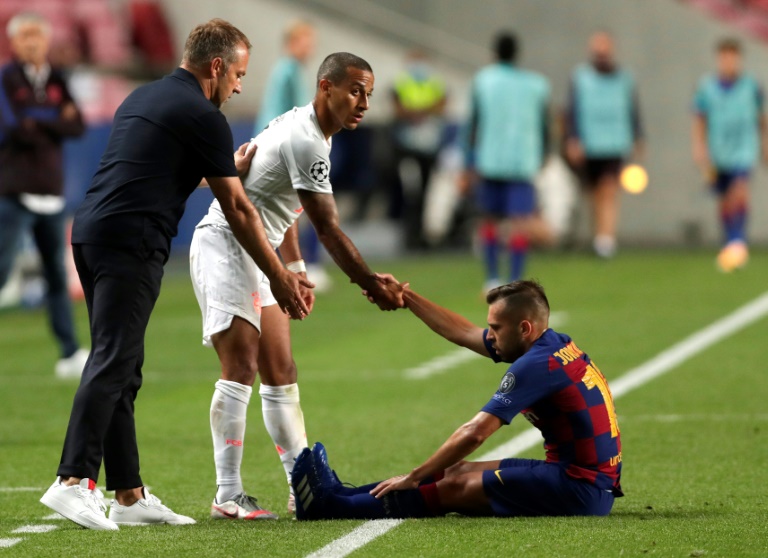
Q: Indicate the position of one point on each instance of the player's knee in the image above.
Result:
(240, 367)
(279, 373)
(457, 469)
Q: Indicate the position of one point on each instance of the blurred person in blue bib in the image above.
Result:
(508, 135)
(603, 131)
(729, 134)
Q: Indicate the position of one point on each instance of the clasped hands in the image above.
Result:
(386, 292)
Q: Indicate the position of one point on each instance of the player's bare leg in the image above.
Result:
(463, 467)
(605, 206)
(279, 391)
(733, 206)
(464, 494)
(489, 235)
(518, 243)
(238, 351)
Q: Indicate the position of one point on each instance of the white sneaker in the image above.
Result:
(146, 511)
(71, 367)
(241, 506)
(82, 503)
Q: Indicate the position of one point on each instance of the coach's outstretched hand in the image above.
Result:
(387, 292)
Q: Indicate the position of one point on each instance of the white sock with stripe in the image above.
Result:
(284, 421)
(228, 411)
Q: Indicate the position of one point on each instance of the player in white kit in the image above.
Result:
(289, 174)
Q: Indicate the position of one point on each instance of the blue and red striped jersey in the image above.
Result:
(560, 390)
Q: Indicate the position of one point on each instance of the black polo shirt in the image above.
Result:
(165, 138)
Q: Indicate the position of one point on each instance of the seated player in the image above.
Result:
(550, 381)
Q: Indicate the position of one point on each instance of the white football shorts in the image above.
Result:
(226, 280)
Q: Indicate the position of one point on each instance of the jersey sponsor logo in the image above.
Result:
(507, 383)
(319, 171)
(615, 460)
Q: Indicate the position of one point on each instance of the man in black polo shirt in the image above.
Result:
(166, 137)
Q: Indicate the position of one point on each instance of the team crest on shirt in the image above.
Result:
(319, 170)
(507, 383)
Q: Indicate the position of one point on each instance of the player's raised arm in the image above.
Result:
(455, 328)
(248, 228)
(322, 212)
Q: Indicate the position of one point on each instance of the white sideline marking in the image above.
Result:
(355, 539)
(55, 516)
(35, 529)
(455, 357)
(658, 365)
(21, 489)
(7, 543)
(441, 364)
(636, 377)
(698, 417)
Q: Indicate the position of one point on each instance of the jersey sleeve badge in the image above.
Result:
(319, 171)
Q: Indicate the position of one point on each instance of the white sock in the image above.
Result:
(228, 410)
(284, 421)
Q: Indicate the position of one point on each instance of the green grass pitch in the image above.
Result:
(695, 441)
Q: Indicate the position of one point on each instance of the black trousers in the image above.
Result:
(121, 287)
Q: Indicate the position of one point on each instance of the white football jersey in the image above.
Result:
(292, 154)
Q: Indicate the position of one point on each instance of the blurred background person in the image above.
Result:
(287, 87)
(507, 139)
(602, 130)
(419, 96)
(729, 130)
(37, 114)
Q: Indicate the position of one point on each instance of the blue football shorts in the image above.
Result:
(531, 487)
(506, 198)
(725, 179)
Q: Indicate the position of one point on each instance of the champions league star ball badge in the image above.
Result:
(319, 171)
(507, 383)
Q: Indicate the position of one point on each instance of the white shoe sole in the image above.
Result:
(63, 508)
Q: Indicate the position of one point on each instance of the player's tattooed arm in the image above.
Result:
(322, 212)
(290, 251)
(446, 323)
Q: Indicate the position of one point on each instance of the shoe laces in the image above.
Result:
(247, 502)
(94, 499)
(155, 502)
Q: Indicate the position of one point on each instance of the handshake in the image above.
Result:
(385, 291)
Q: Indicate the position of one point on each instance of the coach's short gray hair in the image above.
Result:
(25, 18)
